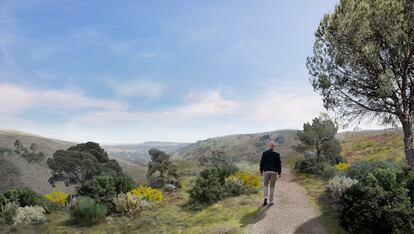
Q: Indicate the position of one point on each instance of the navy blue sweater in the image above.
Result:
(271, 161)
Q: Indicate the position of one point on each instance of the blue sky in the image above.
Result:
(156, 70)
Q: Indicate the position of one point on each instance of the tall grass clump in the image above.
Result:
(87, 211)
(129, 204)
(8, 212)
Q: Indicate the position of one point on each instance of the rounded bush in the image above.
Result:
(206, 191)
(310, 166)
(378, 204)
(86, 211)
(103, 189)
(330, 171)
(360, 170)
(30, 215)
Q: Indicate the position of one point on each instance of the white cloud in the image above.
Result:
(206, 114)
(14, 98)
(137, 88)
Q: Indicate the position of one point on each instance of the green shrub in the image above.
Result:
(310, 166)
(330, 171)
(8, 212)
(241, 183)
(410, 185)
(337, 186)
(207, 189)
(21, 196)
(378, 204)
(209, 185)
(103, 189)
(86, 211)
(220, 171)
(359, 170)
(123, 184)
(30, 215)
(235, 187)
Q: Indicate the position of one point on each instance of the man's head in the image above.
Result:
(272, 145)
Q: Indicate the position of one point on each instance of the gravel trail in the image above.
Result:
(291, 213)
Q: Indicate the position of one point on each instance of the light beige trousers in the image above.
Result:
(269, 181)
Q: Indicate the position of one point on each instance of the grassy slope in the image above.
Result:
(240, 147)
(16, 171)
(373, 145)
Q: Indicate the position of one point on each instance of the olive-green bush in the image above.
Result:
(379, 203)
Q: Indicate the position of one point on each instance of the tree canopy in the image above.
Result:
(160, 169)
(81, 163)
(363, 63)
(319, 137)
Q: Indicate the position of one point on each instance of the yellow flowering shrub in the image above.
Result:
(247, 178)
(57, 197)
(342, 166)
(148, 193)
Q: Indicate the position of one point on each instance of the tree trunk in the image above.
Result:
(407, 125)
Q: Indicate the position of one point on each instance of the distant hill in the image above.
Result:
(240, 147)
(138, 153)
(385, 144)
(16, 171)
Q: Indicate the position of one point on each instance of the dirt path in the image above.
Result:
(292, 212)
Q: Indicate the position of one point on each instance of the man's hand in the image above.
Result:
(280, 175)
(261, 173)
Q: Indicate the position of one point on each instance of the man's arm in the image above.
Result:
(279, 164)
(261, 164)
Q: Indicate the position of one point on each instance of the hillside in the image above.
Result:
(138, 153)
(16, 171)
(386, 144)
(240, 147)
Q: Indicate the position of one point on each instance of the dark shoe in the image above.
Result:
(265, 202)
(271, 204)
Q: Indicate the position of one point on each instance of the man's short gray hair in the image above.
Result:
(272, 144)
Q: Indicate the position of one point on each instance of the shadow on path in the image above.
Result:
(254, 216)
(310, 227)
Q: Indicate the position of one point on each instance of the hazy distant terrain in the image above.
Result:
(139, 152)
(240, 147)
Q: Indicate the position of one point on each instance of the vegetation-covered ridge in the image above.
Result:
(384, 144)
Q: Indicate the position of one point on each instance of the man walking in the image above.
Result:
(270, 169)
